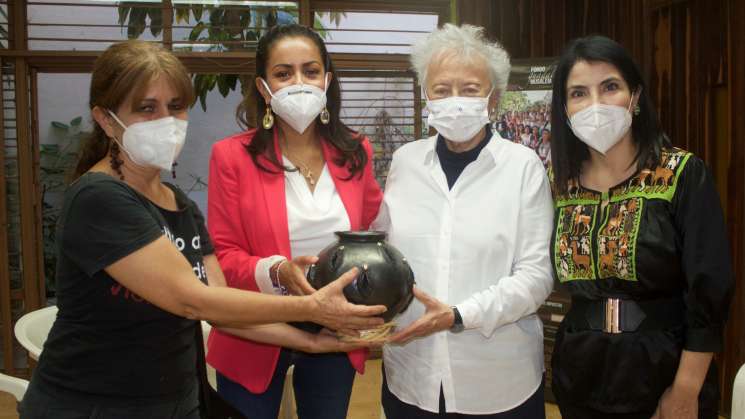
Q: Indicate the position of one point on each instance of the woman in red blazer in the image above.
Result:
(276, 193)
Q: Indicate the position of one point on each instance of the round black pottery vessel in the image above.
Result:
(385, 277)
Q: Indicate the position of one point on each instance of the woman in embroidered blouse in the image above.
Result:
(640, 245)
(277, 192)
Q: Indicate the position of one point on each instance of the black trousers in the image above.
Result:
(533, 408)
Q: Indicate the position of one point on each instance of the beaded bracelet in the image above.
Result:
(275, 278)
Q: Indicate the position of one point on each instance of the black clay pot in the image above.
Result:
(384, 278)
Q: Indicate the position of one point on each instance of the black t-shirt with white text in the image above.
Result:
(108, 341)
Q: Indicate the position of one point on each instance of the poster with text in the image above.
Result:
(524, 115)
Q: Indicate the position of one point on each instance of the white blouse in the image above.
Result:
(483, 247)
(312, 218)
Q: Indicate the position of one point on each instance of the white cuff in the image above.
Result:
(471, 314)
(263, 279)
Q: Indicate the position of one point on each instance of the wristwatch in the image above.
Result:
(457, 326)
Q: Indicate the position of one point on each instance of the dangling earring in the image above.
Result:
(173, 169)
(637, 110)
(268, 121)
(115, 162)
(325, 117)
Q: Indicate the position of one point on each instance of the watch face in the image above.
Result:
(457, 321)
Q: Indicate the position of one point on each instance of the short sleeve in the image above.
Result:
(705, 254)
(104, 221)
(204, 235)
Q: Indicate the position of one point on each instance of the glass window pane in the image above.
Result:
(367, 32)
(195, 26)
(231, 26)
(381, 108)
(91, 25)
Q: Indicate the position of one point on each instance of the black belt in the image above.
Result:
(615, 315)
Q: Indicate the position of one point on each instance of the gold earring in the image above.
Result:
(268, 121)
(325, 116)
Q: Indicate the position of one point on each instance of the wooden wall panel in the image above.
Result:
(734, 356)
(541, 28)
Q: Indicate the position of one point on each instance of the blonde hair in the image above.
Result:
(125, 70)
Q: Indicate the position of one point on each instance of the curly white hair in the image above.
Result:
(463, 41)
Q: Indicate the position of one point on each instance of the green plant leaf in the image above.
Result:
(222, 85)
(232, 80)
(216, 17)
(196, 31)
(211, 81)
(200, 89)
(203, 99)
(318, 26)
(123, 13)
(181, 13)
(136, 24)
(156, 21)
(198, 12)
(76, 121)
(60, 125)
(48, 148)
(245, 19)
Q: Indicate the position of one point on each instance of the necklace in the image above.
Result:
(303, 168)
(306, 172)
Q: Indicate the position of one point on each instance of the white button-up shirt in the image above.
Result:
(312, 219)
(482, 246)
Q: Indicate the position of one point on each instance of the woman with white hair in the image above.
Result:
(472, 213)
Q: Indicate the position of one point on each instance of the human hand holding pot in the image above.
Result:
(335, 312)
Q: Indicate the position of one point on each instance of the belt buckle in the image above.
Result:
(612, 316)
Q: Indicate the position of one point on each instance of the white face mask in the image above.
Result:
(299, 104)
(458, 118)
(154, 143)
(601, 126)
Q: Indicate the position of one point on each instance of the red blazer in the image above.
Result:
(247, 221)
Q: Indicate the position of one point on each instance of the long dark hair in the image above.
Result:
(567, 151)
(343, 139)
(124, 69)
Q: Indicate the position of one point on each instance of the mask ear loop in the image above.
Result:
(325, 82)
(121, 143)
(638, 95)
(266, 86)
(492, 113)
(116, 118)
(119, 121)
